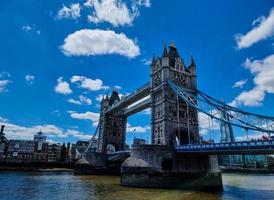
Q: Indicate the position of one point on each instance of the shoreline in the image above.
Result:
(35, 169)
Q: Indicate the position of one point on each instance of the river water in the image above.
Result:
(64, 185)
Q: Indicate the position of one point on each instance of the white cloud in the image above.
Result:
(137, 129)
(85, 100)
(94, 117)
(3, 85)
(263, 30)
(114, 12)
(2, 119)
(73, 11)
(14, 131)
(146, 61)
(263, 71)
(62, 87)
(73, 101)
(239, 84)
(28, 28)
(99, 97)
(116, 87)
(88, 42)
(56, 112)
(29, 78)
(4, 81)
(87, 83)
(205, 122)
(145, 3)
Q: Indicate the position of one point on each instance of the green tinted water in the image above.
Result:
(25, 185)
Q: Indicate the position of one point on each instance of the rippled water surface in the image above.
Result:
(49, 185)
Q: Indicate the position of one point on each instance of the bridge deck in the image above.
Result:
(235, 148)
(131, 98)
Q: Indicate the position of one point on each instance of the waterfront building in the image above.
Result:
(137, 141)
(20, 151)
(41, 148)
(246, 161)
(54, 152)
(3, 144)
(39, 137)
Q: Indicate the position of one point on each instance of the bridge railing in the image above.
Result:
(118, 152)
(232, 145)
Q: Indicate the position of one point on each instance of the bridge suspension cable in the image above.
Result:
(214, 108)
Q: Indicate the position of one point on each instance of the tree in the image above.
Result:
(63, 153)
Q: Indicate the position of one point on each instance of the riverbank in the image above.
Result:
(37, 167)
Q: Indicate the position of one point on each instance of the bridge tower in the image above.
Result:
(172, 121)
(112, 129)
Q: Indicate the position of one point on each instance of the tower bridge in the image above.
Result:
(177, 153)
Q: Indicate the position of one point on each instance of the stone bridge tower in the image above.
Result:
(112, 130)
(172, 121)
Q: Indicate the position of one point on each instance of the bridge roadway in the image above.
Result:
(132, 98)
(234, 148)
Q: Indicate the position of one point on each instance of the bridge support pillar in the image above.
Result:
(157, 166)
(91, 163)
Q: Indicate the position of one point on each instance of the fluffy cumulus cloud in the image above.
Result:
(62, 87)
(74, 101)
(88, 42)
(29, 78)
(83, 100)
(14, 131)
(145, 3)
(115, 12)
(263, 71)
(73, 11)
(4, 81)
(93, 117)
(88, 83)
(263, 29)
(239, 84)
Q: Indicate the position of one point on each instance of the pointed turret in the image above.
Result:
(172, 44)
(192, 65)
(165, 52)
(192, 62)
(153, 62)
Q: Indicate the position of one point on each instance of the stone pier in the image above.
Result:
(157, 166)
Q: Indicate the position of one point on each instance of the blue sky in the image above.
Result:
(59, 57)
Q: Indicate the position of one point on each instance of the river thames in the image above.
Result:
(64, 185)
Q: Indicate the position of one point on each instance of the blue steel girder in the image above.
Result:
(213, 108)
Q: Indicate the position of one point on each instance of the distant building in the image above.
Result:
(246, 161)
(41, 148)
(3, 144)
(39, 137)
(54, 152)
(126, 147)
(137, 141)
(20, 151)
